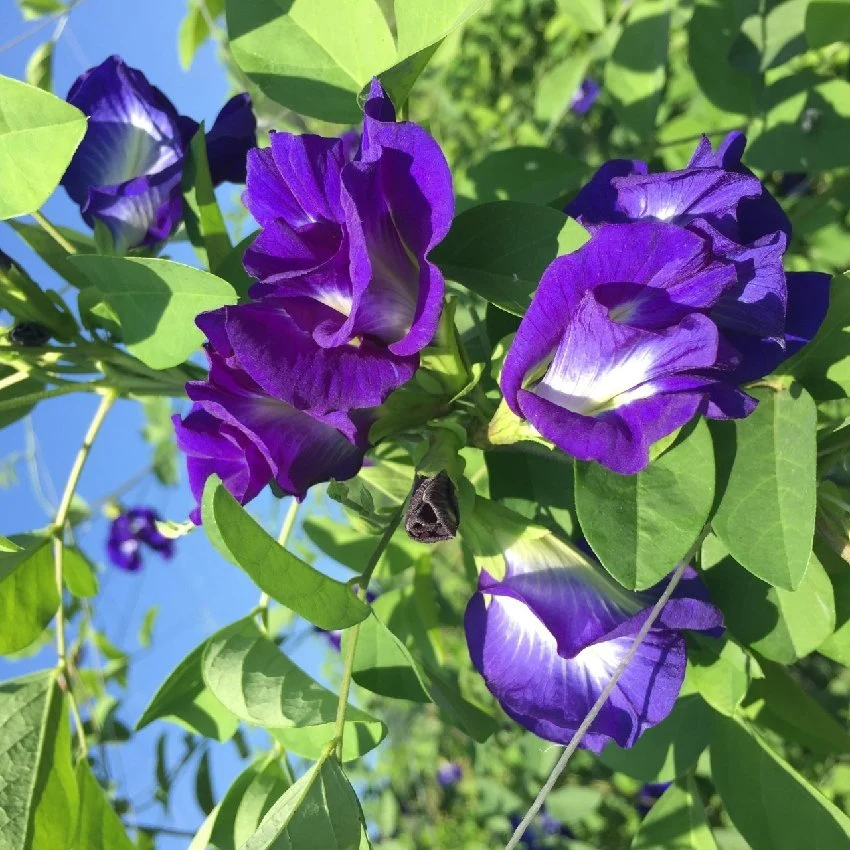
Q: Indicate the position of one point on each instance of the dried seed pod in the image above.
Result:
(433, 512)
(29, 334)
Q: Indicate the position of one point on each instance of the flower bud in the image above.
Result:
(433, 512)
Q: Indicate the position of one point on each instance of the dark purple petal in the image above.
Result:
(266, 342)
(233, 134)
(129, 532)
(808, 301)
(596, 202)
(133, 129)
(142, 211)
(214, 447)
(585, 96)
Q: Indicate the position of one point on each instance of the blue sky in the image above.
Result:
(197, 592)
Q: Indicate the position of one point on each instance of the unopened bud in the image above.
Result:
(29, 335)
(433, 513)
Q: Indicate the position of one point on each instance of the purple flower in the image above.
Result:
(548, 635)
(248, 435)
(346, 230)
(449, 773)
(617, 348)
(719, 199)
(585, 96)
(127, 171)
(132, 530)
(649, 795)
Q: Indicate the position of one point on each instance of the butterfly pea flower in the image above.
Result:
(649, 795)
(769, 314)
(127, 171)
(548, 633)
(250, 436)
(620, 346)
(449, 773)
(346, 229)
(585, 96)
(130, 533)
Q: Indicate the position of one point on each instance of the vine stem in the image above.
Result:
(54, 233)
(351, 643)
(59, 549)
(285, 530)
(603, 697)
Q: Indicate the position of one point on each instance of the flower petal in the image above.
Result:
(232, 135)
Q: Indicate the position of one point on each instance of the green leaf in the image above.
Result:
(353, 548)
(667, 750)
(258, 683)
(232, 270)
(589, 15)
(38, 136)
(526, 174)
(768, 801)
(203, 784)
(635, 73)
(641, 526)
(246, 803)
(766, 516)
(99, 827)
(32, 9)
(28, 595)
(25, 391)
(325, 602)
(720, 670)
(805, 126)
(156, 302)
(39, 71)
(823, 366)
(383, 665)
(35, 763)
(54, 254)
(185, 699)
(677, 821)
(201, 214)
(553, 98)
(770, 37)
(499, 250)
(778, 703)
(782, 625)
(320, 810)
(421, 28)
(159, 432)
(79, 573)
(714, 26)
(312, 56)
(194, 29)
(147, 627)
(538, 487)
(827, 21)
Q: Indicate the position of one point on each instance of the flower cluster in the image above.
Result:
(548, 635)
(677, 299)
(346, 298)
(130, 533)
(128, 169)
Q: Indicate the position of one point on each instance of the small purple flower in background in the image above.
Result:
(132, 530)
(346, 232)
(649, 795)
(449, 773)
(548, 636)
(547, 825)
(128, 168)
(585, 96)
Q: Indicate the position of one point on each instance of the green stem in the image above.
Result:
(285, 529)
(54, 233)
(33, 398)
(11, 380)
(351, 643)
(59, 549)
(606, 692)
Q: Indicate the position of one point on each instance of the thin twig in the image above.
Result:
(59, 546)
(285, 529)
(351, 643)
(603, 697)
(54, 233)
